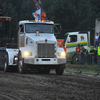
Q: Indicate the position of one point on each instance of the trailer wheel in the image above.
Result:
(7, 68)
(22, 67)
(60, 69)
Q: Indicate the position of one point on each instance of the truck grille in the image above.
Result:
(46, 50)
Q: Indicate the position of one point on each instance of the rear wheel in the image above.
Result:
(7, 68)
(75, 59)
(22, 67)
(60, 69)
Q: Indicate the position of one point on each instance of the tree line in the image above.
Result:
(73, 15)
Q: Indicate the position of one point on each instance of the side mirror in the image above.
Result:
(68, 39)
(57, 28)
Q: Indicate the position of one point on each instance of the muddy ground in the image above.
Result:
(35, 86)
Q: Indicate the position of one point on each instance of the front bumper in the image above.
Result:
(45, 61)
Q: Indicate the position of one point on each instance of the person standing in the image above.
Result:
(96, 40)
(84, 55)
(88, 55)
(89, 48)
(92, 53)
(78, 53)
(78, 49)
(98, 51)
(99, 38)
(95, 56)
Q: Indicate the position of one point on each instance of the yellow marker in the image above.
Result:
(27, 21)
(36, 20)
(51, 21)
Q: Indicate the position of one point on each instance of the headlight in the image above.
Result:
(26, 53)
(62, 54)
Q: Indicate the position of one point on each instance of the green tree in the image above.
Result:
(74, 15)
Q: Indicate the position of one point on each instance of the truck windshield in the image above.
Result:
(42, 28)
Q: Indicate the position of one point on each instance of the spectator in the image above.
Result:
(88, 55)
(99, 54)
(81, 49)
(78, 53)
(92, 52)
(84, 55)
(95, 56)
(78, 49)
(94, 48)
(99, 38)
(89, 48)
(96, 40)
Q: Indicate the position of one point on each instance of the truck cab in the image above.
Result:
(72, 39)
(38, 47)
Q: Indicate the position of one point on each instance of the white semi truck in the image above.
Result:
(37, 48)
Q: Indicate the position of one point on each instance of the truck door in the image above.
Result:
(71, 43)
(22, 35)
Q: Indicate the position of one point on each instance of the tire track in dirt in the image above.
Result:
(34, 86)
(4, 96)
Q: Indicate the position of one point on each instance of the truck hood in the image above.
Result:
(41, 37)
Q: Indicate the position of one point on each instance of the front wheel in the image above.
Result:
(60, 69)
(22, 67)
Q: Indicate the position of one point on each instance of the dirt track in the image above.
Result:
(34, 86)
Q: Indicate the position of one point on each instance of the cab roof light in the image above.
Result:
(27, 21)
(51, 21)
(36, 20)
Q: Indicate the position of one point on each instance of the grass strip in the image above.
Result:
(83, 72)
(89, 66)
(70, 70)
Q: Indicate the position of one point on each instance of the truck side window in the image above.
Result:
(65, 38)
(73, 38)
(21, 28)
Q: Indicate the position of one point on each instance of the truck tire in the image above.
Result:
(22, 67)
(7, 68)
(75, 59)
(60, 69)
